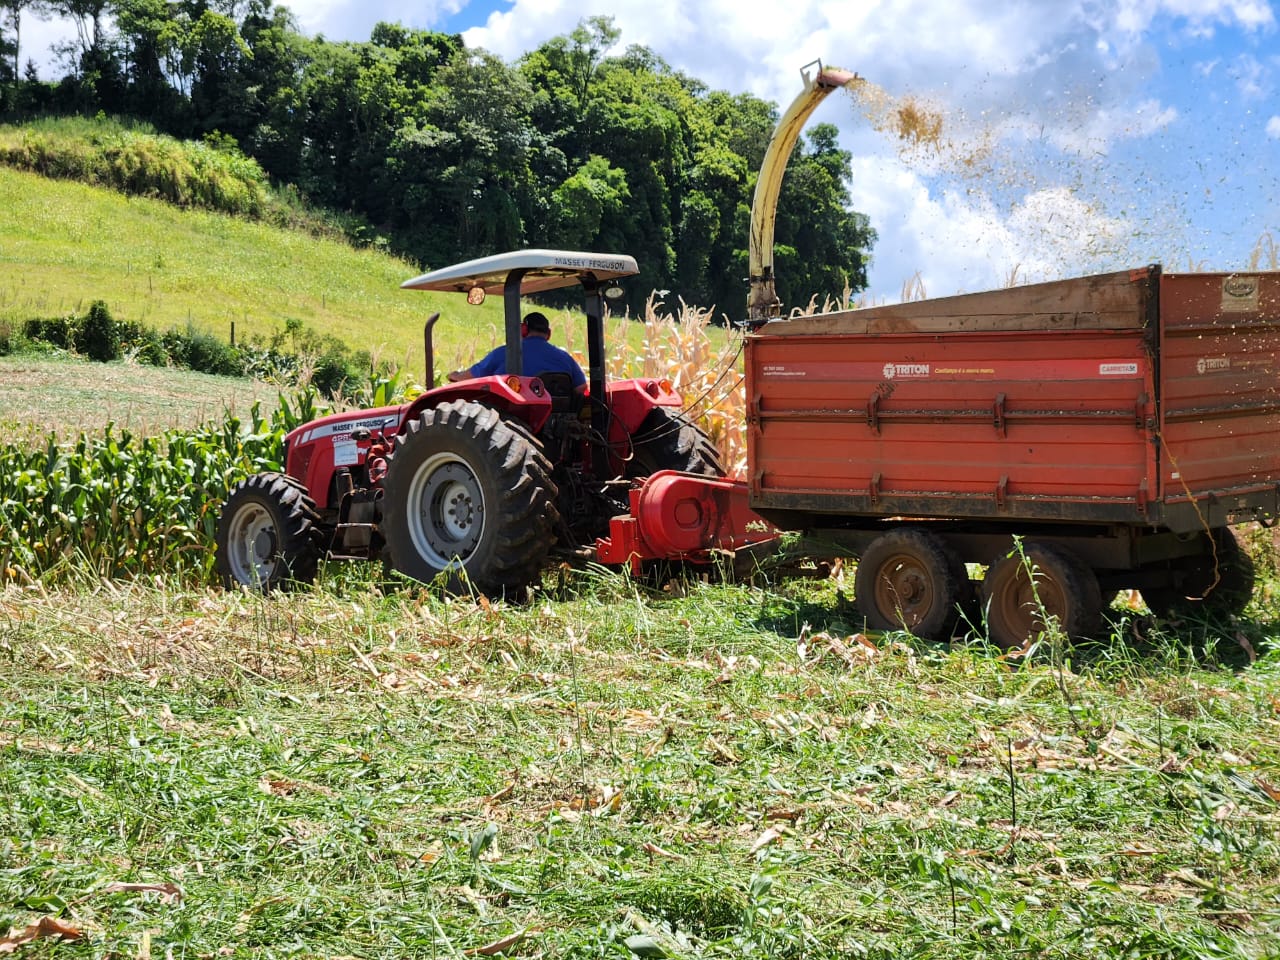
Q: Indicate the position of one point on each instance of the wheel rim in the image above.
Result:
(904, 589)
(445, 511)
(1016, 605)
(252, 552)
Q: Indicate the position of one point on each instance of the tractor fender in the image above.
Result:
(524, 399)
(630, 401)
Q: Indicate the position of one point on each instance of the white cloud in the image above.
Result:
(1105, 126)
(1273, 128)
(1252, 78)
(1199, 16)
(346, 20)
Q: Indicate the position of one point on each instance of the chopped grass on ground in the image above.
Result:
(718, 771)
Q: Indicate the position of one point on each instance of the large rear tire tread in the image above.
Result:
(911, 579)
(506, 479)
(1065, 589)
(266, 536)
(668, 440)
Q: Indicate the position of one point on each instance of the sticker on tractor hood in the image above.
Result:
(590, 263)
(344, 428)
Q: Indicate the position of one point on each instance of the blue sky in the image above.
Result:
(1078, 135)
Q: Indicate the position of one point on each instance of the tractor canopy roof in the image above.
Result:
(543, 270)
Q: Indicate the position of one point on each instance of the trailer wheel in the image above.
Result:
(667, 440)
(911, 580)
(264, 538)
(1201, 587)
(1058, 586)
(469, 496)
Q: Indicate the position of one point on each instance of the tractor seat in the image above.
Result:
(564, 399)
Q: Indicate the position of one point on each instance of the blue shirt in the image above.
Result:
(540, 356)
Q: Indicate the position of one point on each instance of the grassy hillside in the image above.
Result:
(64, 245)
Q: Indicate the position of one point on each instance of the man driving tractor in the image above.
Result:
(540, 356)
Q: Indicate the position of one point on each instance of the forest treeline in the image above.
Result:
(443, 152)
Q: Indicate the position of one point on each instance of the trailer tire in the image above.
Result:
(912, 580)
(265, 536)
(1199, 588)
(1063, 588)
(667, 440)
(468, 496)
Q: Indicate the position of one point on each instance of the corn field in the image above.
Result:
(122, 505)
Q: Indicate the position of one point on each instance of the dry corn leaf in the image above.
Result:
(657, 851)
(498, 946)
(1247, 647)
(1271, 791)
(766, 838)
(42, 929)
(169, 892)
(1136, 849)
(721, 751)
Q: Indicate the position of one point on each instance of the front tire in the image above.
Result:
(469, 496)
(265, 536)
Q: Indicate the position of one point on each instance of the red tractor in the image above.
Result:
(478, 480)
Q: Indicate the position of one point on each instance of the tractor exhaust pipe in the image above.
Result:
(428, 349)
(762, 298)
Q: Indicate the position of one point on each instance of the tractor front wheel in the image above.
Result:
(265, 534)
(469, 496)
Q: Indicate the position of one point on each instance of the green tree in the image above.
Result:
(151, 37)
(214, 54)
(271, 125)
(470, 150)
(590, 205)
(11, 12)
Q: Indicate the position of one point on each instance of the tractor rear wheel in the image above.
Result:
(1218, 582)
(265, 534)
(667, 440)
(469, 496)
(911, 580)
(1024, 590)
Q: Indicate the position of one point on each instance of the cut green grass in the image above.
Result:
(619, 772)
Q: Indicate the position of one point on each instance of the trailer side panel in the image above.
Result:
(1220, 406)
(1015, 424)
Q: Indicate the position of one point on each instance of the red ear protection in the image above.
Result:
(524, 329)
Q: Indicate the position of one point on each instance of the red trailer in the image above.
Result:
(1119, 423)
